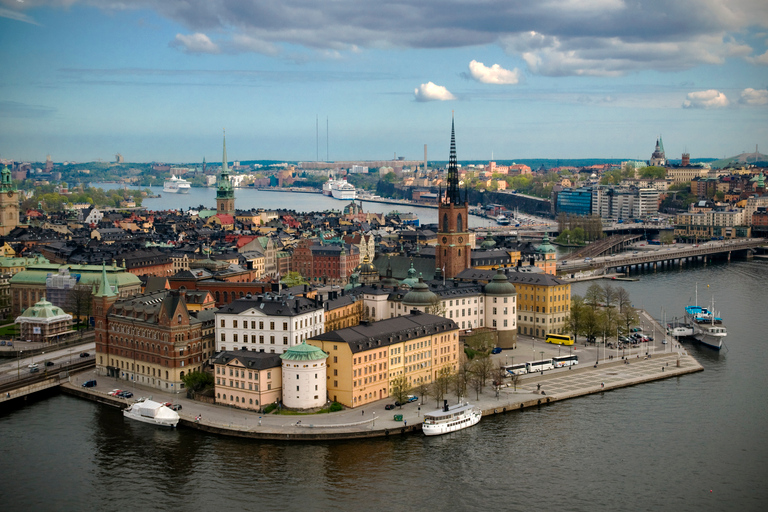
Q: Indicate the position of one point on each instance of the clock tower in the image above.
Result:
(9, 203)
(453, 252)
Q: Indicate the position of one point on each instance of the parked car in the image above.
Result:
(412, 398)
(125, 394)
(496, 350)
(635, 329)
(85, 354)
(650, 338)
(176, 407)
(389, 407)
(10, 344)
(49, 363)
(114, 392)
(33, 365)
(89, 384)
(34, 370)
(2, 343)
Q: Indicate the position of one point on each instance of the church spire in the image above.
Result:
(454, 195)
(224, 169)
(105, 290)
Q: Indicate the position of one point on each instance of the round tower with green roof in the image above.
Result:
(304, 377)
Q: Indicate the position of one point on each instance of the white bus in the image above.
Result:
(561, 361)
(537, 366)
(516, 369)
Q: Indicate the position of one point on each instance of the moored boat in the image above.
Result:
(707, 327)
(342, 189)
(450, 419)
(152, 412)
(176, 185)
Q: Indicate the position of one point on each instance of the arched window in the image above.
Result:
(459, 224)
(217, 296)
(226, 297)
(445, 223)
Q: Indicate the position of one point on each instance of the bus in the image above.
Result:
(515, 369)
(560, 361)
(538, 366)
(559, 339)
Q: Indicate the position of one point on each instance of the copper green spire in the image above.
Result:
(105, 290)
(225, 190)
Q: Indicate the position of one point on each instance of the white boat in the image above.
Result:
(342, 189)
(327, 187)
(152, 412)
(503, 220)
(176, 185)
(450, 419)
(711, 335)
(707, 327)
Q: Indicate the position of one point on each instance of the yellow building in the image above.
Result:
(543, 302)
(343, 311)
(365, 360)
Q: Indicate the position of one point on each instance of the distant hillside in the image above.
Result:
(755, 158)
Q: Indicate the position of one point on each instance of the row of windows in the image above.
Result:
(298, 324)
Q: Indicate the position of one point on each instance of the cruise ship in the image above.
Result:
(340, 189)
(176, 185)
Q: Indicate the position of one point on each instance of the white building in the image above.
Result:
(304, 377)
(268, 323)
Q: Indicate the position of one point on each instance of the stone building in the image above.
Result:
(44, 322)
(248, 380)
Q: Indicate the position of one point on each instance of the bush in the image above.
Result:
(268, 409)
(336, 407)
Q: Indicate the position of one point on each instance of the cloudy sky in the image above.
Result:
(159, 79)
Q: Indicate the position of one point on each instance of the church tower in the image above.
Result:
(103, 299)
(9, 203)
(453, 252)
(225, 192)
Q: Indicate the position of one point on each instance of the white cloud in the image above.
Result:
(750, 96)
(195, 43)
(711, 98)
(15, 15)
(245, 43)
(760, 59)
(432, 92)
(494, 74)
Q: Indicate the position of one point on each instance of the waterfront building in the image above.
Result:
(44, 322)
(225, 192)
(624, 203)
(709, 224)
(29, 286)
(576, 201)
(304, 377)
(364, 360)
(247, 380)
(151, 339)
(9, 203)
(453, 251)
(268, 323)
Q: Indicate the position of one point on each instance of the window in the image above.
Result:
(222, 323)
(261, 325)
(234, 324)
(272, 326)
(285, 326)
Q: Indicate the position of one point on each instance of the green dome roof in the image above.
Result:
(488, 243)
(545, 246)
(499, 285)
(411, 280)
(303, 352)
(420, 295)
(43, 309)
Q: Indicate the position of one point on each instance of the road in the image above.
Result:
(14, 367)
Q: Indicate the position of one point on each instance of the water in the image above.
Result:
(657, 446)
(246, 198)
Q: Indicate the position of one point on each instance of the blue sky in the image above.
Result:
(157, 80)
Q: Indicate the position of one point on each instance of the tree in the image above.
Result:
(460, 379)
(575, 319)
(482, 367)
(667, 238)
(609, 293)
(440, 385)
(390, 177)
(476, 384)
(653, 172)
(436, 307)
(422, 390)
(80, 302)
(622, 299)
(595, 296)
(293, 279)
(197, 381)
(400, 389)
(591, 325)
(629, 317)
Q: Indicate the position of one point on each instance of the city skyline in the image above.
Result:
(557, 79)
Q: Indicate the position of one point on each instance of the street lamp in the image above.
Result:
(18, 366)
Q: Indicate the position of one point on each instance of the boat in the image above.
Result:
(342, 189)
(450, 419)
(707, 327)
(152, 412)
(503, 220)
(176, 185)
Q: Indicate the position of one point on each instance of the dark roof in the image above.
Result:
(513, 275)
(386, 332)
(249, 359)
(273, 305)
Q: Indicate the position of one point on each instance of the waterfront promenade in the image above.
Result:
(374, 421)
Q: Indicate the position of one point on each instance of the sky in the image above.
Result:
(158, 80)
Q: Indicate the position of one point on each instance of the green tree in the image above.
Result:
(197, 381)
(439, 387)
(293, 279)
(575, 318)
(400, 389)
(653, 172)
(390, 177)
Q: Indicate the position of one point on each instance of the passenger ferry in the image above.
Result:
(450, 419)
(151, 412)
(176, 185)
(340, 189)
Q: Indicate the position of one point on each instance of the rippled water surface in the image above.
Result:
(690, 443)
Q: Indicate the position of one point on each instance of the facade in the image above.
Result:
(453, 252)
(225, 192)
(44, 322)
(247, 380)
(150, 339)
(364, 361)
(712, 224)
(9, 203)
(304, 377)
(30, 285)
(343, 311)
(686, 174)
(624, 203)
(268, 323)
(576, 201)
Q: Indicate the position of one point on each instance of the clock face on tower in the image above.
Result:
(461, 239)
(445, 239)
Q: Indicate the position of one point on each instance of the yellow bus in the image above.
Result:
(559, 339)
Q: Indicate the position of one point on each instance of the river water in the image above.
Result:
(691, 443)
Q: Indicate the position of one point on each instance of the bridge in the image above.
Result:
(28, 384)
(609, 245)
(664, 256)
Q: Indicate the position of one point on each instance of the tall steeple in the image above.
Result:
(105, 290)
(454, 195)
(225, 192)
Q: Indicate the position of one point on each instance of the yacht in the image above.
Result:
(450, 419)
(176, 185)
(707, 327)
(152, 412)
